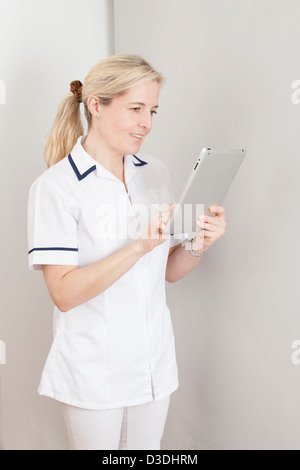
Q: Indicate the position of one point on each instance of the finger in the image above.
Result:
(163, 235)
(213, 221)
(161, 216)
(161, 232)
(171, 207)
(211, 235)
(216, 228)
(166, 215)
(207, 226)
(208, 218)
(218, 210)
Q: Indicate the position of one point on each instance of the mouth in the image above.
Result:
(137, 136)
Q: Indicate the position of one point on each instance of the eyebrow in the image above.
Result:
(143, 104)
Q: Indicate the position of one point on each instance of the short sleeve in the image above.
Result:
(52, 228)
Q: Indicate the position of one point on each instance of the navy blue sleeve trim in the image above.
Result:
(56, 248)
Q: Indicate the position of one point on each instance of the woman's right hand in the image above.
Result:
(154, 235)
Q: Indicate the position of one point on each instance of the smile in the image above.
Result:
(137, 136)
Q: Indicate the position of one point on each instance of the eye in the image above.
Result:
(138, 109)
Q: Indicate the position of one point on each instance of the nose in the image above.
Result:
(146, 121)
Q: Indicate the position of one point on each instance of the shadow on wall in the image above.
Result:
(25, 317)
(2, 344)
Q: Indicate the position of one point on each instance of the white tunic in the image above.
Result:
(117, 349)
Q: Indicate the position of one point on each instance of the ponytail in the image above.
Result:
(66, 129)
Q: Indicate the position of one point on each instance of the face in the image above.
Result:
(124, 124)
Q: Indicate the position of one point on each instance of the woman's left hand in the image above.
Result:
(213, 228)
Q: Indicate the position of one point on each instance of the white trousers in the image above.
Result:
(138, 427)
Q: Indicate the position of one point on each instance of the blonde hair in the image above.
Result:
(110, 77)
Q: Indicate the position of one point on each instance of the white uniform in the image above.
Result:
(117, 349)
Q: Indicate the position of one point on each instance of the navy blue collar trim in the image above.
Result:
(78, 174)
(93, 168)
(142, 163)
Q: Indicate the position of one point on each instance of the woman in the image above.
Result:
(112, 364)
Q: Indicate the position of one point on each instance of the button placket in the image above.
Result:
(132, 211)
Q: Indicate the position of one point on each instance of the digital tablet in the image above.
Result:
(209, 181)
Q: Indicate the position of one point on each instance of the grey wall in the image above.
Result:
(44, 46)
(230, 66)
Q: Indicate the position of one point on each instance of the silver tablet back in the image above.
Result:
(207, 185)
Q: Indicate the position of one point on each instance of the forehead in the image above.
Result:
(146, 93)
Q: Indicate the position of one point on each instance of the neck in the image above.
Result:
(113, 162)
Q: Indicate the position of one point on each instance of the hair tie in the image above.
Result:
(76, 89)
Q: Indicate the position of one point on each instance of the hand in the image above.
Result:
(154, 235)
(213, 229)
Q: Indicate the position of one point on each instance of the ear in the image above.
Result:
(94, 105)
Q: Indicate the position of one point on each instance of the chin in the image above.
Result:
(134, 149)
